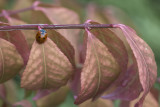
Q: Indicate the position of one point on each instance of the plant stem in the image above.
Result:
(53, 26)
(21, 10)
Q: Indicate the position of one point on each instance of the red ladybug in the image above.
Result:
(41, 36)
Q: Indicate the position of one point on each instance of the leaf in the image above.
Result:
(145, 60)
(128, 86)
(23, 103)
(149, 101)
(2, 94)
(49, 64)
(127, 82)
(97, 103)
(113, 43)
(10, 61)
(28, 35)
(43, 93)
(17, 38)
(63, 44)
(54, 99)
(2, 91)
(59, 15)
(99, 71)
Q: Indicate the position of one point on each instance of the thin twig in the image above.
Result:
(21, 10)
(53, 26)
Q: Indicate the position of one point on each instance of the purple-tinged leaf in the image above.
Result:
(145, 60)
(75, 84)
(128, 86)
(99, 71)
(18, 39)
(59, 15)
(49, 64)
(63, 44)
(113, 43)
(43, 93)
(10, 61)
(2, 90)
(54, 99)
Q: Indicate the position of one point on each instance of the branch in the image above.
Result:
(54, 26)
(46, 26)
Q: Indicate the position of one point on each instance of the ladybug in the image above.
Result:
(41, 36)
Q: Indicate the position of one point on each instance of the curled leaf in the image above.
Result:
(49, 64)
(99, 71)
(10, 61)
(128, 86)
(113, 43)
(144, 57)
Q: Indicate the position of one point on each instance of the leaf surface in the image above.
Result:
(145, 60)
(59, 15)
(49, 64)
(18, 39)
(99, 71)
(10, 61)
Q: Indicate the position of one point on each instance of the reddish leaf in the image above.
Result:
(128, 86)
(42, 93)
(28, 35)
(63, 44)
(113, 43)
(10, 61)
(145, 59)
(127, 82)
(2, 95)
(99, 71)
(2, 91)
(18, 39)
(53, 99)
(59, 15)
(50, 65)
(149, 101)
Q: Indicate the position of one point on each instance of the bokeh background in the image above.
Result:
(142, 15)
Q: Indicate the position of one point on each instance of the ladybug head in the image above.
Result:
(43, 32)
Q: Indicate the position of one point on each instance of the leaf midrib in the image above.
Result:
(99, 69)
(1, 78)
(45, 68)
(140, 55)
